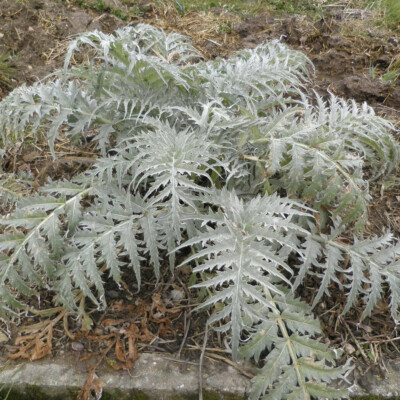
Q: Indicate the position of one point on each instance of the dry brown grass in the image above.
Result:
(211, 32)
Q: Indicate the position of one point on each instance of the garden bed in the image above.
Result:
(35, 34)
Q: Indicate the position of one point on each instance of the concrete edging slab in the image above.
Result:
(152, 377)
(157, 377)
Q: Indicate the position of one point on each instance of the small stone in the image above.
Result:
(177, 295)
(112, 294)
(366, 328)
(77, 346)
(1, 35)
(349, 349)
(30, 29)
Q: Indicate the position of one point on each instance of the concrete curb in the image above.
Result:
(152, 377)
(158, 377)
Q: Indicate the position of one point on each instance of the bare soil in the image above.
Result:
(343, 60)
(36, 34)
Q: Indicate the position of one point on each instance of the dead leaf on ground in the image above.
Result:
(93, 387)
(33, 347)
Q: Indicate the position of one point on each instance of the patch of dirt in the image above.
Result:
(36, 33)
(344, 61)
